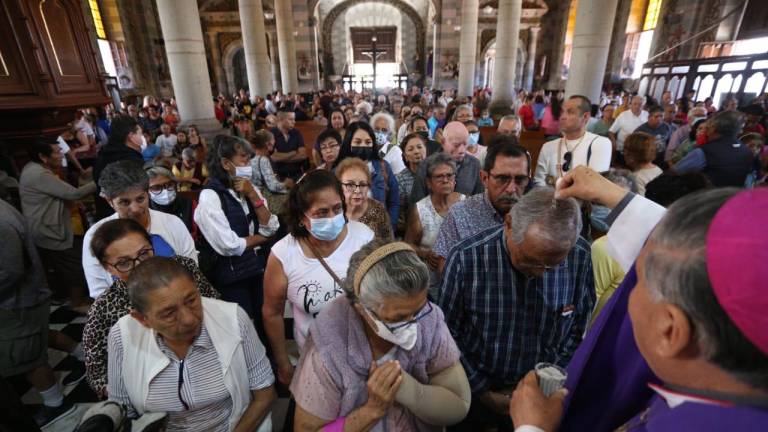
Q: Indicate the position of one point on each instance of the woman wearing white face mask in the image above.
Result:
(383, 127)
(382, 358)
(163, 197)
(235, 221)
(475, 145)
(306, 267)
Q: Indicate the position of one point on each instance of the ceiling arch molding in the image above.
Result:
(314, 3)
(341, 8)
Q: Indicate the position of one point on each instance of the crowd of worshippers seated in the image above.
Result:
(427, 273)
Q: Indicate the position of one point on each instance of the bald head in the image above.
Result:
(455, 137)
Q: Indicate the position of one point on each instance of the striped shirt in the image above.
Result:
(505, 322)
(465, 219)
(205, 403)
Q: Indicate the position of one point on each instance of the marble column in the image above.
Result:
(505, 65)
(558, 50)
(255, 47)
(468, 46)
(286, 46)
(530, 63)
(180, 23)
(218, 69)
(275, 61)
(591, 42)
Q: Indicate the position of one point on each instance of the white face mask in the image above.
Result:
(244, 172)
(405, 337)
(164, 198)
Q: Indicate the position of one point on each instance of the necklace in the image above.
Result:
(563, 142)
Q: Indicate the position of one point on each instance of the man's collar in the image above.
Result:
(676, 398)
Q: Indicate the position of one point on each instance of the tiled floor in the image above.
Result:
(68, 322)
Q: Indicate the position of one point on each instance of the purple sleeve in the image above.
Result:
(312, 386)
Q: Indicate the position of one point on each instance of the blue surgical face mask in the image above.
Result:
(327, 229)
(381, 137)
(474, 139)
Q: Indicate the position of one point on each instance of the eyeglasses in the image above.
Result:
(329, 147)
(504, 180)
(352, 187)
(567, 157)
(426, 310)
(443, 177)
(127, 265)
(169, 186)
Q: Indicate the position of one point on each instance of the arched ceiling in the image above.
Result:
(373, 15)
(323, 7)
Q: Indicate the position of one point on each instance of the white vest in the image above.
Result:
(143, 359)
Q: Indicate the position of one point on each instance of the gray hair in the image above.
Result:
(122, 176)
(728, 123)
(559, 220)
(464, 107)
(623, 178)
(676, 272)
(437, 160)
(514, 118)
(401, 274)
(390, 120)
(159, 171)
(189, 154)
(153, 274)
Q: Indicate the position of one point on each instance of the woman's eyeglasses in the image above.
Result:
(126, 265)
(352, 187)
(426, 310)
(157, 189)
(329, 147)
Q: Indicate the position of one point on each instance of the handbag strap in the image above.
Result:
(324, 264)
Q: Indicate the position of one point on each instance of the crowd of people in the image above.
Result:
(426, 270)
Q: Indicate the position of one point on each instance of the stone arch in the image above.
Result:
(314, 3)
(228, 61)
(522, 55)
(339, 9)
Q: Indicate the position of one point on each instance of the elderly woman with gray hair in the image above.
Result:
(163, 187)
(386, 139)
(381, 358)
(427, 216)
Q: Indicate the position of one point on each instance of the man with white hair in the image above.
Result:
(383, 127)
(626, 123)
(697, 326)
(509, 125)
(455, 140)
(517, 295)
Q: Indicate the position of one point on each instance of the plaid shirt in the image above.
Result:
(505, 322)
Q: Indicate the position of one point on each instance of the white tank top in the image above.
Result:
(310, 287)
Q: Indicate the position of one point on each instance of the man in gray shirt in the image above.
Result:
(455, 137)
(24, 313)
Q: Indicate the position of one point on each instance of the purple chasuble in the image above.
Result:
(607, 377)
(698, 417)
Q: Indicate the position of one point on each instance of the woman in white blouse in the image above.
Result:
(306, 267)
(234, 219)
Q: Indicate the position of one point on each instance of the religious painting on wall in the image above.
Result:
(303, 68)
(449, 65)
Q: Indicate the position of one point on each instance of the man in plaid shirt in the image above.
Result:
(517, 295)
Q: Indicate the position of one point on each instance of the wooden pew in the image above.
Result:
(309, 131)
(531, 140)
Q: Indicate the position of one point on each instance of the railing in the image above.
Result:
(742, 77)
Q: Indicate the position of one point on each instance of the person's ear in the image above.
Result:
(673, 330)
(140, 317)
(484, 177)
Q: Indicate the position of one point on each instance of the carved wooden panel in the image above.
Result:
(14, 76)
(48, 67)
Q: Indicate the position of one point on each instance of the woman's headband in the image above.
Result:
(375, 257)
